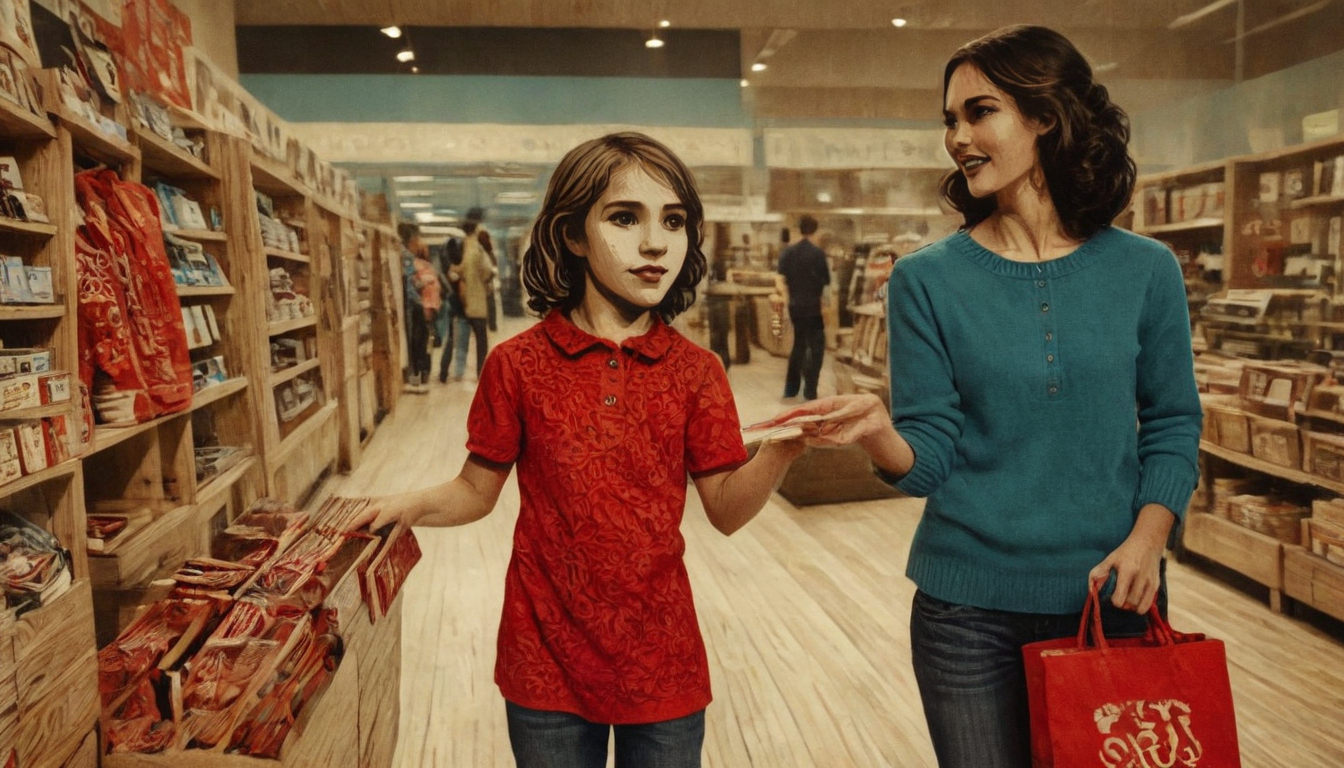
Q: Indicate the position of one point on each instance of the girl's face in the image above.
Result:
(635, 242)
(990, 140)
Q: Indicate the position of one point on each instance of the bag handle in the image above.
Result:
(1158, 628)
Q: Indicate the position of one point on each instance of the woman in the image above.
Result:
(1022, 348)
(476, 273)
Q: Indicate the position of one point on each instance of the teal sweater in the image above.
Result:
(1046, 404)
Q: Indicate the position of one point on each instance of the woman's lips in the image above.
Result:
(649, 274)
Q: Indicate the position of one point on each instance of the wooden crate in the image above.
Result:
(1274, 388)
(1323, 455)
(1276, 442)
(1324, 539)
(50, 641)
(1252, 554)
(1314, 581)
(56, 726)
(160, 546)
(833, 476)
(1231, 427)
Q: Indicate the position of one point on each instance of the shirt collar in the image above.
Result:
(574, 341)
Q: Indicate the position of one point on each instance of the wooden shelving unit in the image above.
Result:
(387, 307)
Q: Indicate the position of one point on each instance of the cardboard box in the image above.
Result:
(55, 388)
(56, 430)
(32, 446)
(20, 392)
(40, 287)
(23, 361)
(11, 468)
(1275, 441)
(14, 281)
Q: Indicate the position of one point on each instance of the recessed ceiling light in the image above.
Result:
(415, 70)
(653, 42)
(898, 22)
(393, 31)
(415, 193)
(412, 179)
(405, 55)
(744, 82)
(417, 205)
(758, 67)
(664, 23)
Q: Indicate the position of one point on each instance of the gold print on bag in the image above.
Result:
(1147, 734)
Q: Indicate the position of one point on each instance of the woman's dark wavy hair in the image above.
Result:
(1085, 154)
(552, 274)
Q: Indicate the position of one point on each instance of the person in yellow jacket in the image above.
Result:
(476, 272)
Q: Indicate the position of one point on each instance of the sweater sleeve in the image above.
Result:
(924, 399)
(1170, 416)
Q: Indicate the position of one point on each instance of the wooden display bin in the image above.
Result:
(1275, 441)
(833, 476)
(1252, 554)
(1314, 581)
(1231, 427)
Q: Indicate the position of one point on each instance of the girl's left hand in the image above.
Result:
(1138, 567)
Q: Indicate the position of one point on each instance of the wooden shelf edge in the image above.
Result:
(188, 291)
(1306, 202)
(167, 159)
(276, 253)
(39, 312)
(22, 124)
(1202, 169)
(160, 525)
(218, 392)
(101, 145)
(20, 227)
(1181, 226)
(211, 488)
(63, 469)
(294, 371)
(302, 432)
(270, 177)
(275, 329)
(198, 234)
(107, 435)
(1284, 473)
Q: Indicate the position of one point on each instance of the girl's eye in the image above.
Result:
(950, 122)
(981, 112)
(623, 218)
(675, 221)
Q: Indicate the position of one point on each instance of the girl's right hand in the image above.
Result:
(848, 419)
(382, 512)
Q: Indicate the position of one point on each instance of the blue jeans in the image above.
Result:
(968, 663)
(463, 329)
(562, 740)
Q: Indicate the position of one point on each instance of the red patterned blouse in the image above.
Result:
(598, 617)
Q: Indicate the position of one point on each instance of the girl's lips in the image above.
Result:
(649, 274)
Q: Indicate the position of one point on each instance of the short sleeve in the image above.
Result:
(495, 424)
(713, 432)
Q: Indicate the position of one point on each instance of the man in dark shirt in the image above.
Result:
(805, 274)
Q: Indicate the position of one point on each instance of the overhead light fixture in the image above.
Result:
(393, 31)
(653, 42)
(898, 22)
(1191, 18)
(664, 23)
(415, 193)
(415, 70)
(413, 179)
(417, 205)
(744, 82)
(405, 55)
(1299, 13)
(758, 67)
(1109, 66)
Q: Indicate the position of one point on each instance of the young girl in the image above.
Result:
(605, 409)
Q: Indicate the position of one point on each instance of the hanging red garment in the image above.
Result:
(104, 337)
(122, 219)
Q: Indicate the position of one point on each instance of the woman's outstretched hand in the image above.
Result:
(836, 421)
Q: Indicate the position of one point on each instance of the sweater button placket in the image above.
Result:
(1052, 377)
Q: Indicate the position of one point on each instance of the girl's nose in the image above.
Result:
(654, 242)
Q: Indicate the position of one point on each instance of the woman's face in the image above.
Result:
(990, 140)
(635, 241)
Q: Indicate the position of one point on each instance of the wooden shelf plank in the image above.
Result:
(203, 235)
(302, 433)
(18, 123)
(92, 142)
(1181, 226)
(64, 469)
(276, 253)
(275, 329)
(167, 159)
(1286, 473)
(1209, 169)
(274, 179)
(35, 312)
(33, 228)
(218, 392)
(188, 291)
(221, 483)
(24, 414)
(294, 371)
(1307, 202)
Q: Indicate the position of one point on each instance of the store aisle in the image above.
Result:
(804, 613)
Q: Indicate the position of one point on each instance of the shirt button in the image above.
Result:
(1045, 307)
(613, 364)
(1054, 390)
(611, 400)
(1049, 336)
(1040, 283)
(1049, 358)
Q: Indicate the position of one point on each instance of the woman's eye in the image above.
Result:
(950, 122)
(623, 218)
(675, 221)
(981, 112)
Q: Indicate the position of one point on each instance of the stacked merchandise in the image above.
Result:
(275, 233)
(18, 56)
(133, 348)
(1324, 534)
(149, 114)
(178, 211)
(31, 445)
(33, 564)
(244, 642)
(15, 202)
(192, 265)
(286, 301)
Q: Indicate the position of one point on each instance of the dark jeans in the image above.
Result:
(968, 663)
(417, 340)
(448, 345)
(809, 344)
(563, 740)
(475, 327)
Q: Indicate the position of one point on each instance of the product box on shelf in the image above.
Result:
(1323, 455)
(54, 387)
(1275, 389)
(1275, 441)
(1273, 517)
(19, 361)
(1325, 540)
(1329, 511)
(11, 467)
(56, 430)
(1231, 427)
(14, 281)
(20, 392)
(32, 446)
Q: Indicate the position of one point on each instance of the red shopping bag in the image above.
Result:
(1159, 701)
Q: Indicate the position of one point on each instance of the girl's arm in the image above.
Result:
(465, 499)
(732, 498)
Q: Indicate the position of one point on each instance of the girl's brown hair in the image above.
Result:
(552, 274)
(1085, 154)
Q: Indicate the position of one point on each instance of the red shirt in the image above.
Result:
(598, 617)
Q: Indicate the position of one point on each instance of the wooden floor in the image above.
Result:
(804, 613)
